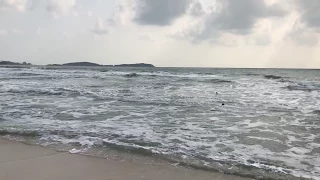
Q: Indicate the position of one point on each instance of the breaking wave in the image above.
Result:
(131, 75)
(249, 169)
(272, 77)
(35, 92)
(303, 87)
(298, 88)
(218, 81)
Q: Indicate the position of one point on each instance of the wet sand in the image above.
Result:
(30, 162)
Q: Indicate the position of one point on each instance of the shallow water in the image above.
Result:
(269, 123)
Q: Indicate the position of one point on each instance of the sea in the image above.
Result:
(259, 123)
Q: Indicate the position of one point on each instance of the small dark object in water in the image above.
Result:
(222, 104)
(216, 93)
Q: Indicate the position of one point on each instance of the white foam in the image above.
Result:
(250, 124)
(77, 151)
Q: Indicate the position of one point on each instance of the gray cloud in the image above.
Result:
(307, 28)
(310, 12)
(160, 12)
(229, 16)
(234, 17)
(239, 17)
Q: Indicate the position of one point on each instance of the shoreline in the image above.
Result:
(32, 162)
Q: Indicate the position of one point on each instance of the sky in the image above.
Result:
(166, 33)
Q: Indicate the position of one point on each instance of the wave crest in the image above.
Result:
(272, 77)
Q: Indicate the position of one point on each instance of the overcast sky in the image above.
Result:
(188, 33)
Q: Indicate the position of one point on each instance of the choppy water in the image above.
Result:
(270, 122)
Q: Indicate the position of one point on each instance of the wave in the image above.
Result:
(303, 87)
(128, 148)
(218, 81)
(28, 74)
(130, 75)
(4, 132)
(285, 81)
(63, 73)
(252, 74)
(48, 92)
(298, 88)
(213, 81)
(35, 92)
(27, 78)
(186, 78)
(202, 163)
(316, 112)
(249, 169)
(273, 77)
(153, 74)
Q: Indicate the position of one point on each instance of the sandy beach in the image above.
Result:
(30, 162)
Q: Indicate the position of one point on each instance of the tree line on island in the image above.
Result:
(9, 63)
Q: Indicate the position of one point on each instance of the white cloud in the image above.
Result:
(38, 31)
(67, 35)
(61, 7)
(196, 8)
(146, 37)
(100, 28)
(3, 32)
(263, 40)
(18, 5)
(17, 31)
(124, 12)
(75, 13)
(6, 32)
(89, 13)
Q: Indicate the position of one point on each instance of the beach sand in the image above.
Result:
(20, 161)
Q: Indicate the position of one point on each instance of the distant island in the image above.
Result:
(81, 64)
(13, 63)
(94, 64)
(76, 64)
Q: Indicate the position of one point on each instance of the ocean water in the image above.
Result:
(268, 127)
